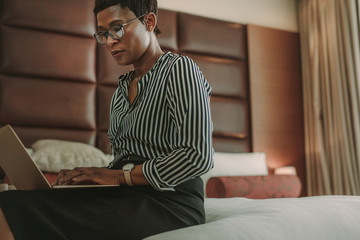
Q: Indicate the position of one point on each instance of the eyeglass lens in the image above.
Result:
(116, 32)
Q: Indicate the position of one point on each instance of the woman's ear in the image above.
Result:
(150, 21)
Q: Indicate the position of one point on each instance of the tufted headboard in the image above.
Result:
(56, 82)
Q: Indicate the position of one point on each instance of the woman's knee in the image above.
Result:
(5, 232)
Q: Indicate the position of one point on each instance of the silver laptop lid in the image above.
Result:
(17, 163)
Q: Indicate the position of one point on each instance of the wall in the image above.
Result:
(279, 14)
(276, 97)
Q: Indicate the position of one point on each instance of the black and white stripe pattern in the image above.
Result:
(168, 123)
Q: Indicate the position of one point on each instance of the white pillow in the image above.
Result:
(237, 164)
(53, 155)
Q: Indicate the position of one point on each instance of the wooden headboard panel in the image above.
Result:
(55, 82)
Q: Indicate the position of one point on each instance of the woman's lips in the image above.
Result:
(117, 53)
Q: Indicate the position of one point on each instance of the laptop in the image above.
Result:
(21, 168)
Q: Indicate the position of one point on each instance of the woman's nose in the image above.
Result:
(110, 41)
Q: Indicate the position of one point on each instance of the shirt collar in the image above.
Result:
(127, 77)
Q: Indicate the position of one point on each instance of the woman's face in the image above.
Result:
(135, 40)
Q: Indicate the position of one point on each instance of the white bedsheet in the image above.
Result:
(320, 218)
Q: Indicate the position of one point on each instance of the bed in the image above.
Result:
(57, 85)
(320, 218)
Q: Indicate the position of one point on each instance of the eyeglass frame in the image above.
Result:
(122, 25)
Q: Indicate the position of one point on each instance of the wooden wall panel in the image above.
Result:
(219, 49)
(276, 97)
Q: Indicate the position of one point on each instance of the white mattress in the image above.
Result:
(318, 218)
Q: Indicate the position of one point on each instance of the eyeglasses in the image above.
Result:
(115, 32)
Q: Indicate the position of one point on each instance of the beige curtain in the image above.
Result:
(329, 34)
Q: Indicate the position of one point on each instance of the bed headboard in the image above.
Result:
(56, 82)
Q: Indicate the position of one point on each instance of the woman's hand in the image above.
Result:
(88, 175)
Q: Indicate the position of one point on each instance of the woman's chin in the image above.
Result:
(122, 61)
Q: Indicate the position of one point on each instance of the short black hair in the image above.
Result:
(138, 7)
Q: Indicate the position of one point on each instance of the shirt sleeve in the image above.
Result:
(188, 102)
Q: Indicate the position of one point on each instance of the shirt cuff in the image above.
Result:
(152, 176)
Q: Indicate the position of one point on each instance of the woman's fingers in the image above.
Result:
(88, 175)
(84, 179)
(59, 176)
(65, 177)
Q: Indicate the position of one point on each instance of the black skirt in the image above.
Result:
(102, 213)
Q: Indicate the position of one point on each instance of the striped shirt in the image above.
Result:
(169, 121)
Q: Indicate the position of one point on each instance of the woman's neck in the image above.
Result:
(148, 59)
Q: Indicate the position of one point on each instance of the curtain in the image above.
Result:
(330, 52)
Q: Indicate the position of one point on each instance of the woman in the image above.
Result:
(160, 133)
